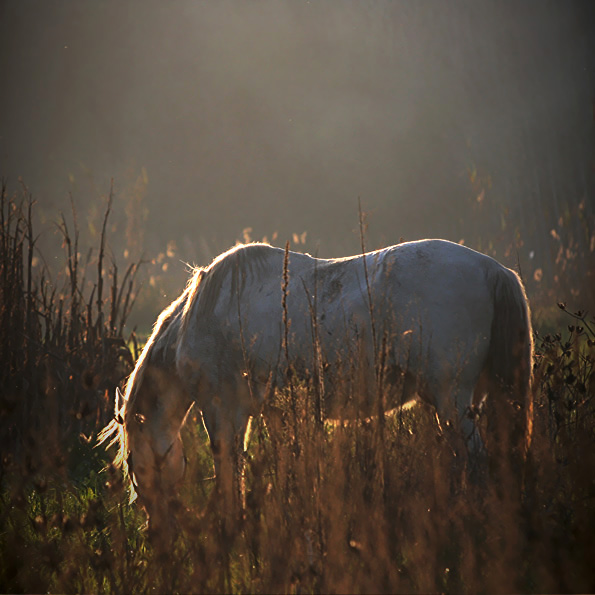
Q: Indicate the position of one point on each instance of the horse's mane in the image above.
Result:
(171, 325)
(238, 262)
(157, 350)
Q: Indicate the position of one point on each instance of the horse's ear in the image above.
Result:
(119, 399)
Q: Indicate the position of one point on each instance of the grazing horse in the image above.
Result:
(428, 320)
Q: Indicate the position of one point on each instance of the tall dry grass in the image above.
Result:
(365, 505)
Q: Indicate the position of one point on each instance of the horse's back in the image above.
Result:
(428, 300)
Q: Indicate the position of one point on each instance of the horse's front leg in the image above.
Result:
(226, 434)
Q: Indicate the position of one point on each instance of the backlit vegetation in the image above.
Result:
(369, 506)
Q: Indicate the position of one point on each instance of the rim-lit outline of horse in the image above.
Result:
(449, 325)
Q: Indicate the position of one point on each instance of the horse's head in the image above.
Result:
(156, 461)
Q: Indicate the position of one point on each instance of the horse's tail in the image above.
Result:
(510, 363)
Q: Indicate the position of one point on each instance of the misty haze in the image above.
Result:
(444, 118)
(141, 139)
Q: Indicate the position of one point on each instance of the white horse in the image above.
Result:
(429, 320)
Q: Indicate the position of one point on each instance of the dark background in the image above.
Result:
(469, 120)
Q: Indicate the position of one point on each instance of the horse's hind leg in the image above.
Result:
(505, 436)
(456, 407)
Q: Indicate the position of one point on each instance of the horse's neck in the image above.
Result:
(161, 397)
(161, 370)
(164, 344)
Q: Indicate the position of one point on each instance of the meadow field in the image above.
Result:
(371, 506)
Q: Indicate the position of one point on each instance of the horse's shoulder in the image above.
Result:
(244, 255)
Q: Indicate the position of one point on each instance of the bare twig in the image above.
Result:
(101, 254)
